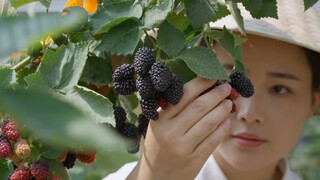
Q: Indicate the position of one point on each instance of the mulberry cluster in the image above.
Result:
(10, 129)
(40, 170)
(155, 83)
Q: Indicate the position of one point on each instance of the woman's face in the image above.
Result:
(266, 126)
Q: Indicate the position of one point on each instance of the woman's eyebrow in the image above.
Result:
(283, 75)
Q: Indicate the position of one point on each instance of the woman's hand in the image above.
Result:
(185, 135)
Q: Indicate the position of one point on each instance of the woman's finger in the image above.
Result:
(208, 124)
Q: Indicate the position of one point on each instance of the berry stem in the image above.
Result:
(22, 64)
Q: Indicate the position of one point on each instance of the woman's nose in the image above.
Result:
(251, 110)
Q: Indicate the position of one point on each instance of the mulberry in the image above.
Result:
(40, 170)
(22, 149)
(145, 86)
(123, 72)
(242, 84)
(175, 91)
(10, 129)
(5, 147)
(70, 160)
(125, 87)
(130, 131)
(143, 123)
(161, 76)
(87, 157)
(119, 115)
(149, 108)
(21, 173)
(143, 60)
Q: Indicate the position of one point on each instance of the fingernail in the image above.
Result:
(226, 87)
(229, 103)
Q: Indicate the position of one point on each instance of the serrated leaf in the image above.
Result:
(180, 68)
(7, 77)
(235, 11)
(55, 121)
(265, 8)
(200, 12)
(18, 3)
(6, 8)
(113, 14)
(170, 40)
(37, 81)
(97, 71)
(204, 62)
(231, 44)
(309, 3)
(122, 39)
(62, 69)
(96, 106)
(17, 33)
(157, 14)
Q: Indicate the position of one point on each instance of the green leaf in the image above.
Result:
(231, 44)
(113, 14)
(129, 102)
(309, 3)
(6, 8)
(97, 71)
(4, 169)
(62, 69)
(204, 63)
(37, 81)
(17, 33)
(56, 122)
(7, 77)
(200, 12)
(235, 11)
(180, 68)
(261, 8)
(157, 14)
(96, 106)
(18, 3)
(122, 39)
(179, 21)
(170, 40)
(50, 152)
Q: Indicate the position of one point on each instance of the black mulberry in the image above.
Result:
(130, 131)
(145, 86)
(175, 91)
(242, 84)
(143, 123)
(161, 76)
(125, 87)
(119, 115)
(70, 160)
(123, 72)
(143, 60)
(149, 108)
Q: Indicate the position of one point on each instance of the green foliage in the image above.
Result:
(61, 91)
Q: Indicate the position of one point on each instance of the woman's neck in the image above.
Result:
(268, 173)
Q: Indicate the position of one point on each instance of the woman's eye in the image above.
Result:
(279, 89)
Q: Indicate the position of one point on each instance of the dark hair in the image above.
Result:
(314, 61)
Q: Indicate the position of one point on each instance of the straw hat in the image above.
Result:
(294, 25)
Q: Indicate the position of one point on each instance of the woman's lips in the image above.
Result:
(248, 140)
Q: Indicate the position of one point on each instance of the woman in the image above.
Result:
(200, 139)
